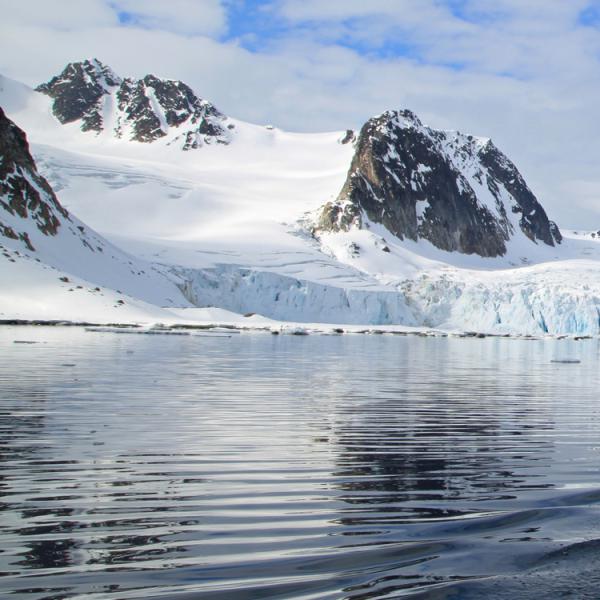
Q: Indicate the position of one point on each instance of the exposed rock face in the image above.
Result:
(457, 191)
(26, 198)
(349, 137)
(143, 110)
(79, 92)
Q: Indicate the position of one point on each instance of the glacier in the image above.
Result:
(529, 303)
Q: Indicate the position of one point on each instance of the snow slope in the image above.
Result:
(39, 292)
(229, 224)
(34, 226)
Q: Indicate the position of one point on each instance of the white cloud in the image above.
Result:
(198, 17)
(495, 36)
(398, 10)
(57, 14)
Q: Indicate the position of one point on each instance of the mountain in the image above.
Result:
(92, 95)
(458, 241)
(41, 241)
(457, 191)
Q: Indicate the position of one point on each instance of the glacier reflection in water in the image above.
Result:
(294, 467)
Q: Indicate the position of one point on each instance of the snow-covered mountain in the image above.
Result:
(457, 191)
(400, 224)
(38, 234)
(92, 95)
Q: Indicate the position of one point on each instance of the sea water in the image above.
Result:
(261, 466)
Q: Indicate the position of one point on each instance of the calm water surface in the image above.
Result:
(262, 466)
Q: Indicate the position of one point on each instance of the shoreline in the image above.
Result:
(279, 328)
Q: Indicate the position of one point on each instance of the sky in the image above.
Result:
(524, 72)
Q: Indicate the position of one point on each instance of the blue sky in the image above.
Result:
(260, 25)
(377, 30)
(590, 16)
(252, 22)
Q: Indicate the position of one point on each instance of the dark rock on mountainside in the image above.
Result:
(457, 191)
(349, 137)
(26, 198)
(533, 220)
(78, 93)
(138, 102)
(142, 110)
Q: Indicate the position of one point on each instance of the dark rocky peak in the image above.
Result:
(151, 106)
(27, 201)
(403, 118)
(179, 101)
(457, 191)
(143, 110)
(78, 92)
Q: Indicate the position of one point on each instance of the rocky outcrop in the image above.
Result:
(79, 92)
(150, 107)
(457, 191)
(143, 110)
(26, 198)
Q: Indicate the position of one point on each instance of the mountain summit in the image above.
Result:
(457, 191)
(141, 110)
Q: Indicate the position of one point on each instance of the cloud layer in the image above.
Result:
(525, 73)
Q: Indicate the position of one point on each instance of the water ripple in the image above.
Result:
(282, 467)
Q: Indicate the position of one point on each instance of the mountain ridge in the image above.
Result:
(142, 110)
(225, 227)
